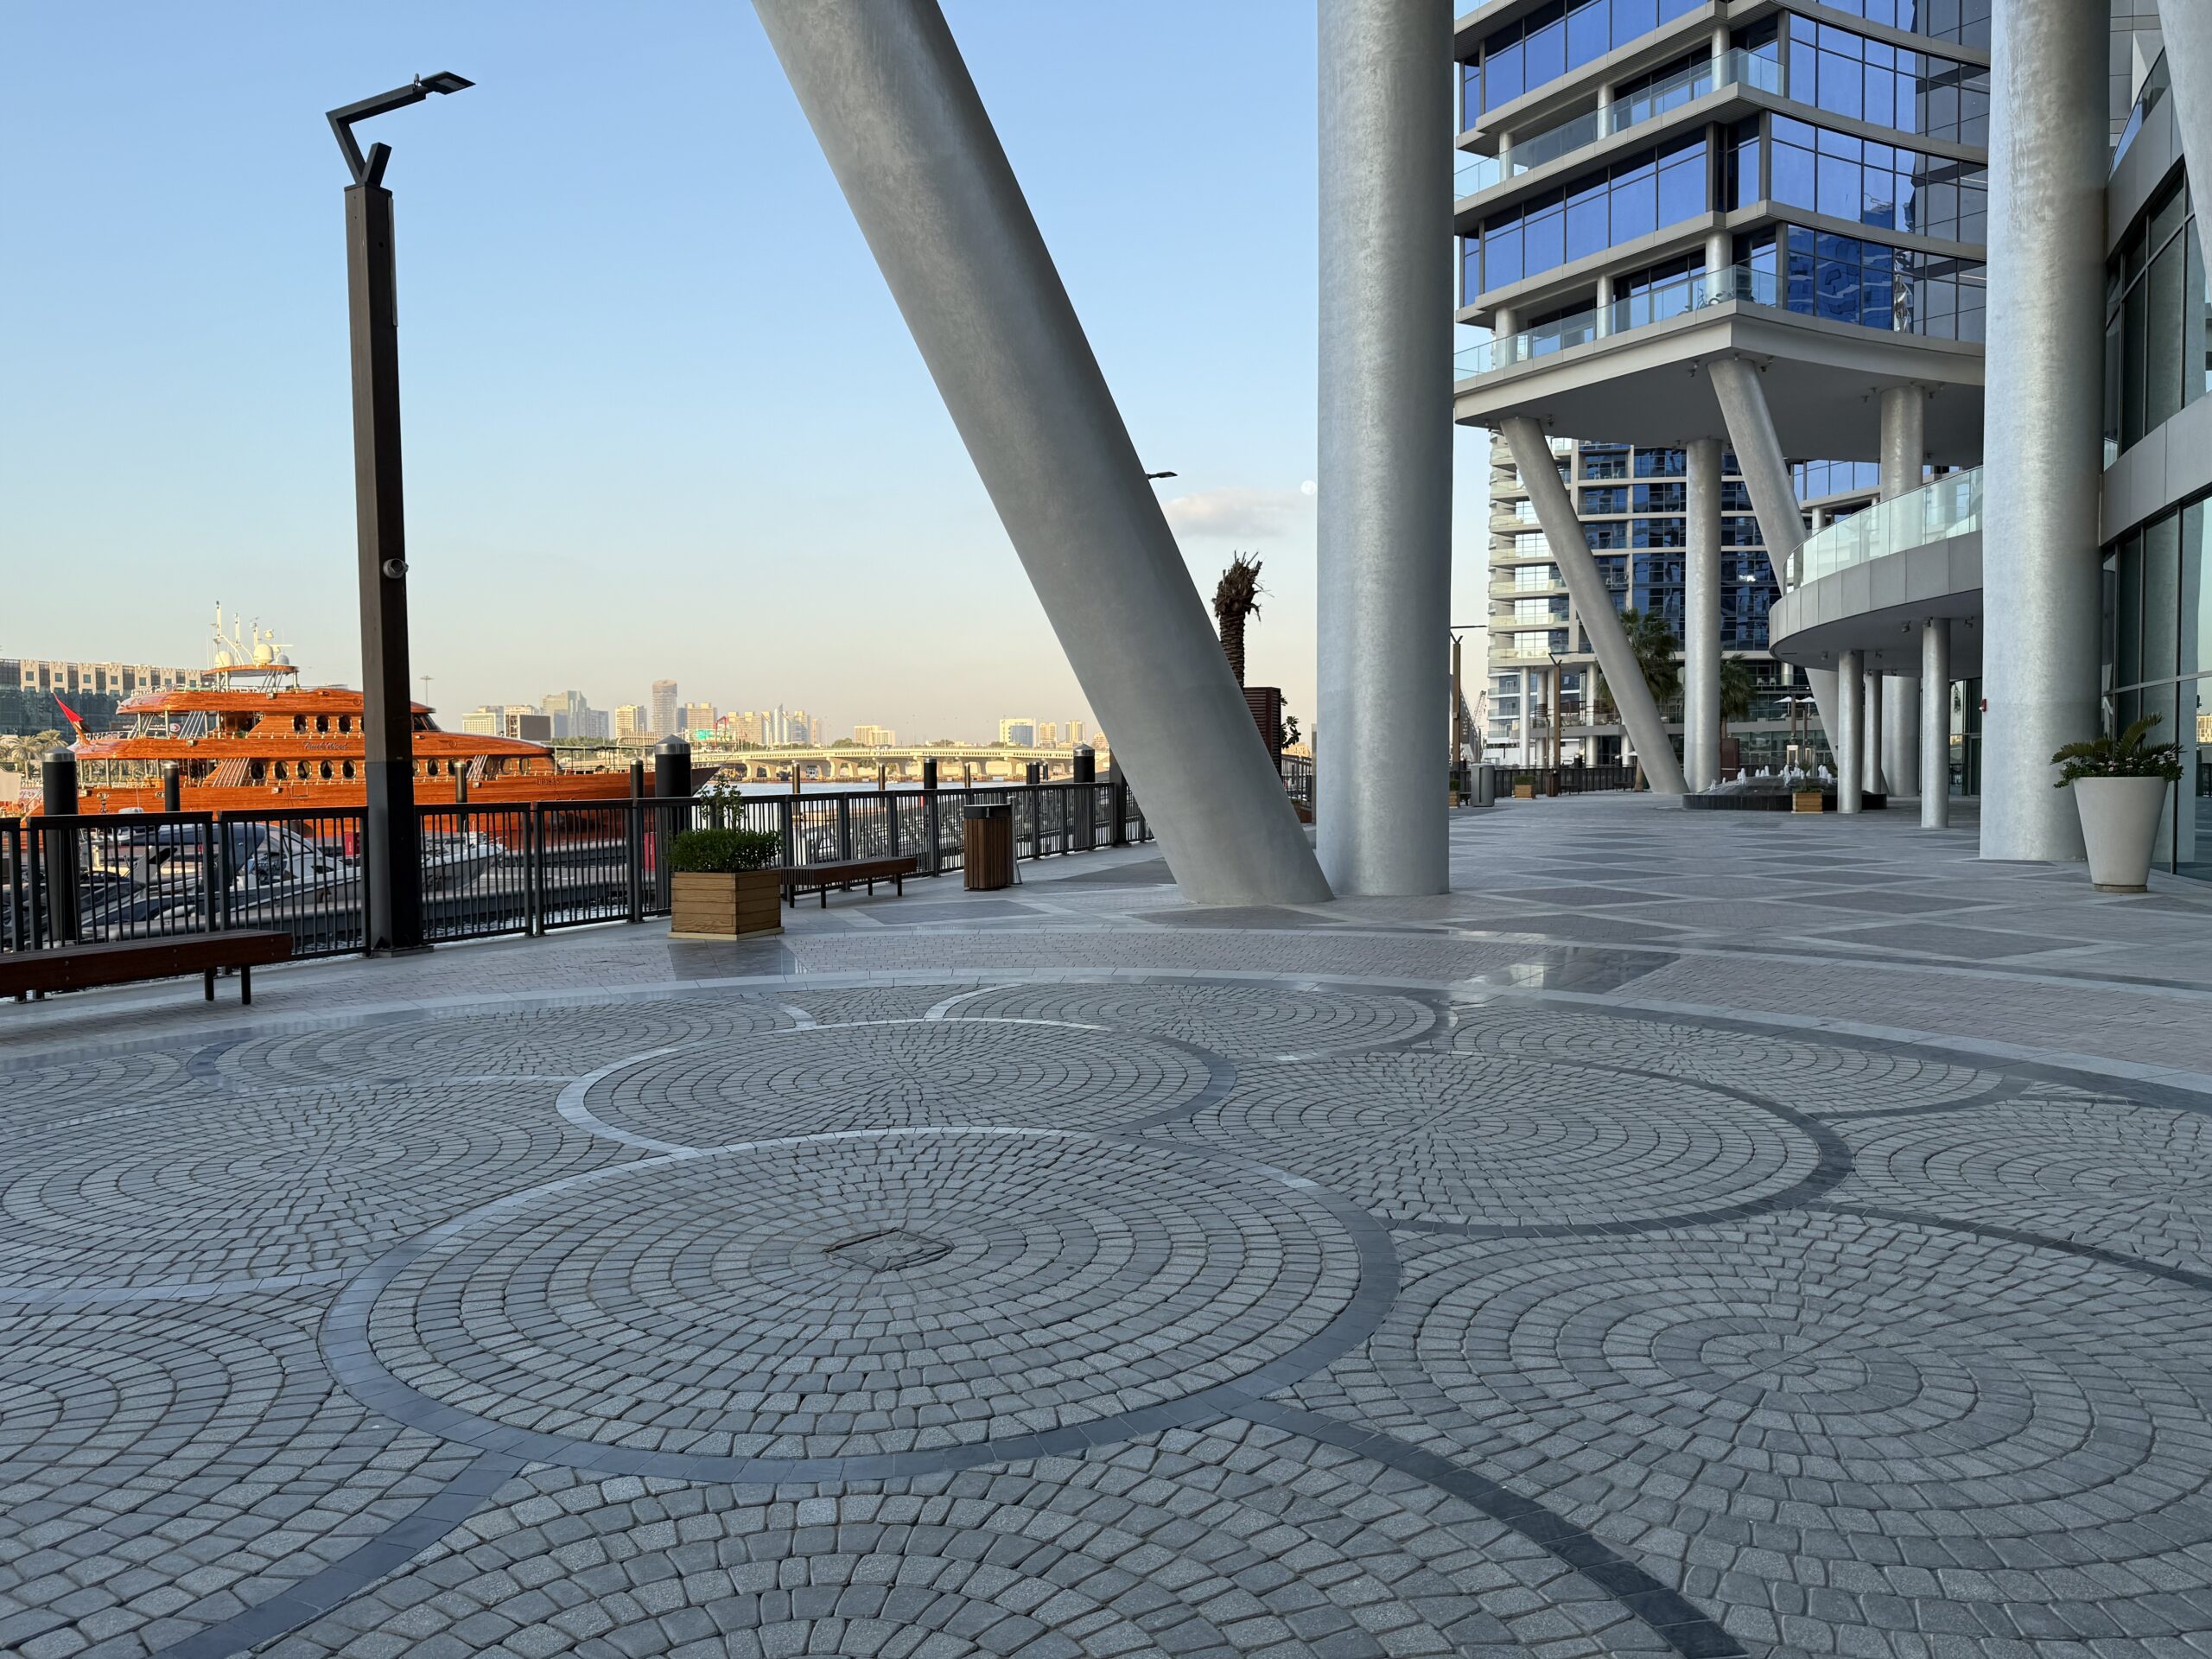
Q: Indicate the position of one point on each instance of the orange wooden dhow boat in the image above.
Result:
(256, 739)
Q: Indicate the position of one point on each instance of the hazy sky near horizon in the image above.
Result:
(662, 418)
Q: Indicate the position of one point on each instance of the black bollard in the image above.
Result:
(671, 783)
(172, 787)
(57, 787)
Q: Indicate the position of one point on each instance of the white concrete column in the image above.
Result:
(1774, 497)
(1719, 254)
(1905, 449)
(1604, 304)
(1935, 723)
(1701, 618)
(1849, 732)
(1384, 528)
(2187, 27)
(2048, 148)
(1640, 718)
(883, 86)
(1870, 734)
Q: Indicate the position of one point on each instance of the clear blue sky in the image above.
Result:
(655, 390)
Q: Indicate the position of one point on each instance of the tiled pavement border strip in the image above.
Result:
(1832, 1167)
(346, 1349)
(347, 1577)
(2020, 1236)
(1671, 1616)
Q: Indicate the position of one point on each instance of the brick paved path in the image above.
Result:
(1077, 1274)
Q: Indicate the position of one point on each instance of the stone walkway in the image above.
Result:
(1691, 1235)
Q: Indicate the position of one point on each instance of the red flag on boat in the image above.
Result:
(75, 720)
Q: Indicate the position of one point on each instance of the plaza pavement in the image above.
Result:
(1692, 1234)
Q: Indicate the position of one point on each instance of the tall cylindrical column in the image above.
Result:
(1848, 734)
(1904, 449)
(1702, 619)
(1904, 439)
(1870, 739)
(2048, 148)
(1384, 512)
(891, 104)
(1935, 723)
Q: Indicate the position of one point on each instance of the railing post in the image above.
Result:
(891, 818)
(226, 873)
(58, 782)
(844, 826)
(933, 856)
(533, 841)
(634, 834)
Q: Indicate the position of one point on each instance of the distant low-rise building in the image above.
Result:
(1018, 733)
(29, 685)
(629, 723)
(875, 737)
(697, 717)
(485, 720)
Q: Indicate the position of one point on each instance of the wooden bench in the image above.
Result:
(124, 962)
(842, 873)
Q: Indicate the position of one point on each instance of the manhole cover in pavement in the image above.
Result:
(888, 1251)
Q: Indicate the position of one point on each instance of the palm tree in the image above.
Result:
(1237, 600)
(1736, 691)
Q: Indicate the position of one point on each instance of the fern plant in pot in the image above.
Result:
(723, 883)
(2119, 786)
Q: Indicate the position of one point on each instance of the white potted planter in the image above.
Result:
(2119, 822)
(2120, 788)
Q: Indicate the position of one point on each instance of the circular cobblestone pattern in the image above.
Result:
(914, 1074)
(1233, 1540)
(1990, 1441)
(539, 1042)
(856, 1295)
(1799, 1075)
(218, 1188)
(1468, 1139)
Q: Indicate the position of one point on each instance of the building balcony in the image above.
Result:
(1866, 583)
(1627, 371)
(1737, 70)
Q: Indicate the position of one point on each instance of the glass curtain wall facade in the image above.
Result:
(2158, 661)
(2157, 321)
(1846, 218)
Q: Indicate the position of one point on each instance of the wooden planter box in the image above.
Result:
(1808, 800)
(723, 904)
(1524, 791)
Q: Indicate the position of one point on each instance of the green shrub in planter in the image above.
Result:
(2125, 756)
(724, 852)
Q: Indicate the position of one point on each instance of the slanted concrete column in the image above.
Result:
(1935, 723)
(1640, 718)
(1702, 619)
(890, 101)
(1870, 731)
(2048, 149)
(2186, 25)
(1384, 531)
(1774, 497)
(1848, 734)
(1904, 449)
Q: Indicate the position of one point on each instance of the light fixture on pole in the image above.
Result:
(390, 835)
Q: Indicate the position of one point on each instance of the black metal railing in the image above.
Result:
(487, 870)
(1573, 780)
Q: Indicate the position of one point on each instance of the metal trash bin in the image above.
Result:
(986, 847)
(1485, 783)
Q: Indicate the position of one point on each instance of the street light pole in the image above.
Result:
(391, 837)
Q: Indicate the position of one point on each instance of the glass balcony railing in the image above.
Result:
(1736, 284)
(2156, 85)
(1738, 68)
(1949, 506)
